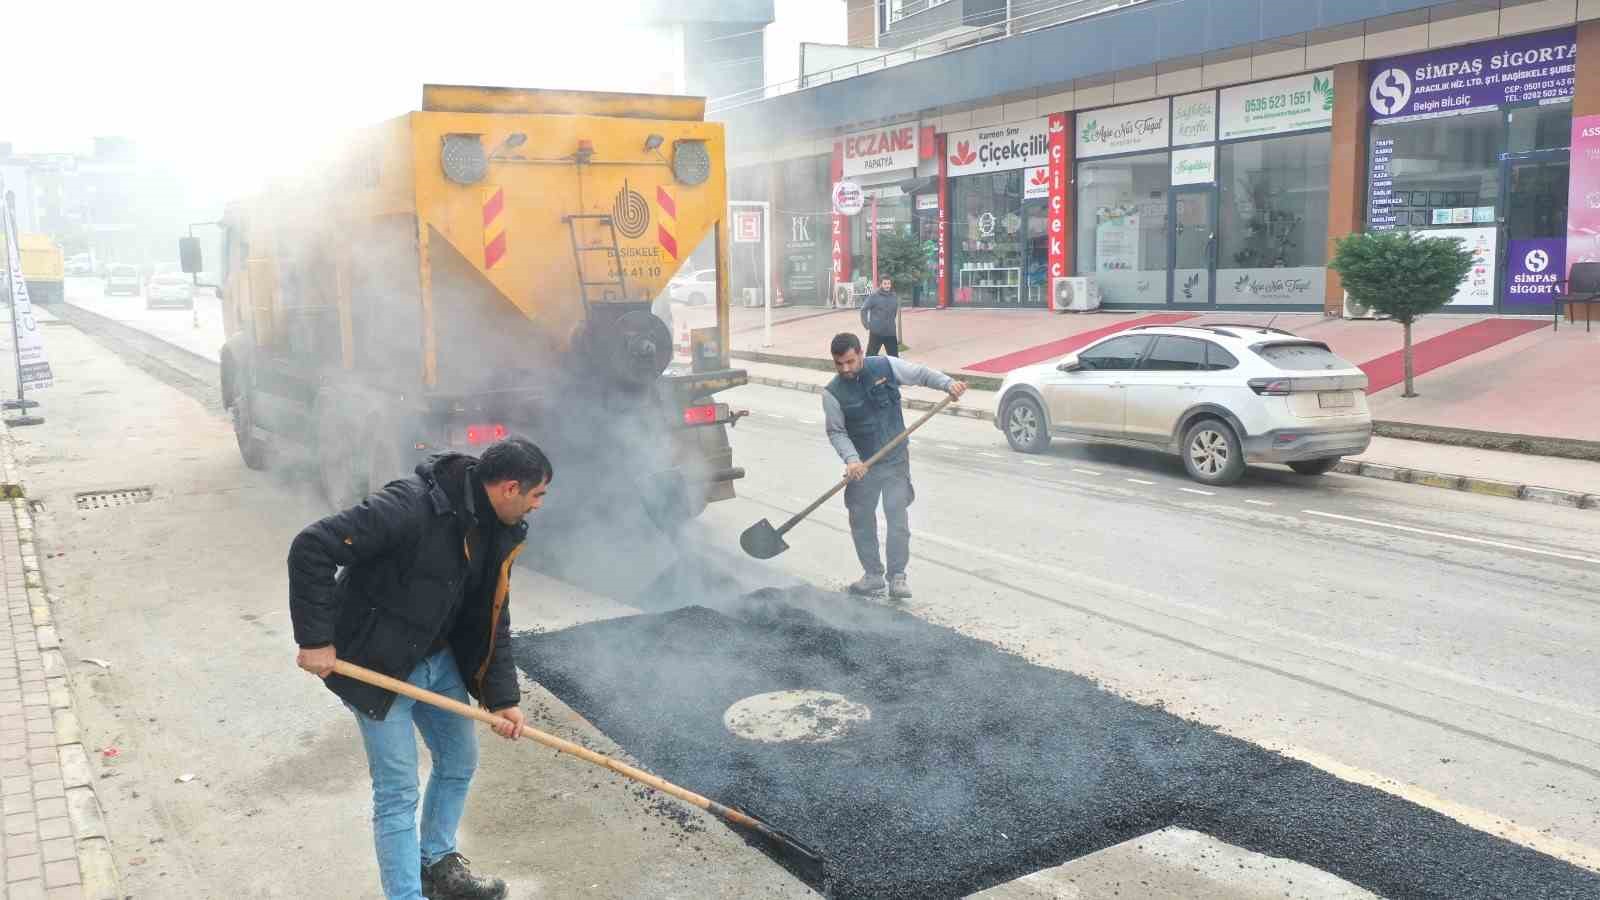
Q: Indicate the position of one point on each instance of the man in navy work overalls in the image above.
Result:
(861, 408)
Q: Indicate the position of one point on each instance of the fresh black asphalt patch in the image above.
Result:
(978, 767)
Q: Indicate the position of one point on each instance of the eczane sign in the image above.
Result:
(881, 150)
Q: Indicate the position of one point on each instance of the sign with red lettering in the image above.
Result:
(747, 227)
(881, 150)
(841, 226)
(1056, 221)
(944, 224)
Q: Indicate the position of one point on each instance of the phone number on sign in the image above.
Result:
(1277, 102)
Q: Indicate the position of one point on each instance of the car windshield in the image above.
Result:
(1301, 356)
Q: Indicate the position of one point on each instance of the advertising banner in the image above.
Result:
(1194, 119)
(33, 367)
(1478, 288)
(1197, 165)
(1124, 129)
(1056, 221)
(1475, 78)
(1298, 103)
(1583, 193)
(1534, 272)
(998, 148)
(882, 149)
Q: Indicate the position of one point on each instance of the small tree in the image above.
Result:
(1402, 276)
(901, 257)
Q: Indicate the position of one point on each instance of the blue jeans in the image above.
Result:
(392, 759)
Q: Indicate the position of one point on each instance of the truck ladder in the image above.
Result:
(582, 244)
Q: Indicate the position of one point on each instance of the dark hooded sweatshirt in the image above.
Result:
(425, 565)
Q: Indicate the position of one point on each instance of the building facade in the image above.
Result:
(1193, 154)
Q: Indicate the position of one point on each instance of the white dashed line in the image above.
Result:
(809, 422)
(1035, 462)
(988, 454)
(1137, 481)
(1258, 503)
(1087, 472)
(774, 416)
(1454, 537)
(1198, 491)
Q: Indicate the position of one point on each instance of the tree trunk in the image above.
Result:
(1410, 392)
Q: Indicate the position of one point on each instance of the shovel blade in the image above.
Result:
(762, 541)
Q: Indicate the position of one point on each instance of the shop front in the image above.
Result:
(800, 230)
(999, 188)
(1474, 143)
(1217, 199)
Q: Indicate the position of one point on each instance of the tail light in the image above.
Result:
(1272, 387)
(701, 415)
(1282, 387)
(485, 434)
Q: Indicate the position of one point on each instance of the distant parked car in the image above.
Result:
(79, 264)
(122, 279)
(1219, 396)
(172, 289)
(694, 288)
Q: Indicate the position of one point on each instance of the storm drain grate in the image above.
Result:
(105, 499)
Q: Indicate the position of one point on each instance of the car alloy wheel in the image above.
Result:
(1024, 425)
(1210, 451)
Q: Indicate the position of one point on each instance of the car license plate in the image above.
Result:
(1336, 399)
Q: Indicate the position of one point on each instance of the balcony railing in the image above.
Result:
(1043, 14)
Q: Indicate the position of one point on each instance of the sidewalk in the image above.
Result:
(1568, 482)
(1501, 377)
(55, 837)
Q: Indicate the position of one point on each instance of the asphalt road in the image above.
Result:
(1419, 644)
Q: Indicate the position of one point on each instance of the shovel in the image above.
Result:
(807, 860)
(763, 541)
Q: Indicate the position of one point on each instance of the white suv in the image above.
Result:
(1217, 395)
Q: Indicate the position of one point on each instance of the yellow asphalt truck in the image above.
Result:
(43, 266)
(487, 266)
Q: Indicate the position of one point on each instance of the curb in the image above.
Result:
(97, 870)
(1486, 487)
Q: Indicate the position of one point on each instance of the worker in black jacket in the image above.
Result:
(422, 597)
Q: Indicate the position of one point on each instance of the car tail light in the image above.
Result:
(1272, 387)
(700, 415)
(485, 434)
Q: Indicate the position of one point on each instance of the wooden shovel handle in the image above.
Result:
(871, 461)
(376, 679)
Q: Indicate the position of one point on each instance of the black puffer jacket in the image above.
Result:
(404, 552)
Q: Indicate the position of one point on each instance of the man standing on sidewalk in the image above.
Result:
(423, 595)
(861, 409)
(880, 316)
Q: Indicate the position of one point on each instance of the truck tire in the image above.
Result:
(252, 449)
(343, 459)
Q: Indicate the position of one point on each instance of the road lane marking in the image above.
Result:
(1087, 472)
(988, 454)
(1198, 491)
(1139, 481)
(775, 415)
(1035, 462)
(809, 422)
(1258, 503)
(1572, 557)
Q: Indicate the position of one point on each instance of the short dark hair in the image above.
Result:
(515, 459)
(843, 343)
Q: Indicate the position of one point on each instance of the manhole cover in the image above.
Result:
(118, 497)
(811, 717)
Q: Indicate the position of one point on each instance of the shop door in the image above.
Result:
(1534, 229)
(1193, 238)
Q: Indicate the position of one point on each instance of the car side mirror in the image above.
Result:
(189, 255)
(1069, 363)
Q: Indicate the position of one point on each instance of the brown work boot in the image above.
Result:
(450, 879)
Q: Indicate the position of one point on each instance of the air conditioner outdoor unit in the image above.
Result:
(1075, 294)
(1355, 310)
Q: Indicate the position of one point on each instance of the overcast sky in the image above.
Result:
(227, 91)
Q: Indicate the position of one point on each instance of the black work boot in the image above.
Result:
(450, 879)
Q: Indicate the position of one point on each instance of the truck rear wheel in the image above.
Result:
(252, 449)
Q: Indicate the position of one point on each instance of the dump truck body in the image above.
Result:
(486, 266)
(43, 266)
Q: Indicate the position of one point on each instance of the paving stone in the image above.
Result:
(50, 829)
(26, 890)
(51, 807)
(22, 868)
(60, 874)
(22, 844)
(58, 849)
(72, 892)
(21, 823)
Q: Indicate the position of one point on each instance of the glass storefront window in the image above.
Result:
(1122, 226)
(800, 228)
(1442, 165)
(1547, 127)
(1273, 220)
(999, 253)
(893, 215)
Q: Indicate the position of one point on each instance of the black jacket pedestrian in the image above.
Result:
(880, 313)
(407, 585)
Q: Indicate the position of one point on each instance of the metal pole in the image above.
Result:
(13, 248)
(766, 267)
(874, 242)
